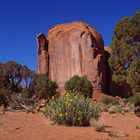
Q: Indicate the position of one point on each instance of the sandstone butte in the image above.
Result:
(75, 49)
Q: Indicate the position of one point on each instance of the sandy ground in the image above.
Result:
(23, 126)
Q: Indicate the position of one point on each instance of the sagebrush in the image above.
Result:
(72, 109)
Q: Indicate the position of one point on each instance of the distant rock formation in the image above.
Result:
(72, 49)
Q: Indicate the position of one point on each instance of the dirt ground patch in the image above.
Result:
(23, 126)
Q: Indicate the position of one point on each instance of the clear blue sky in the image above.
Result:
(22, 20)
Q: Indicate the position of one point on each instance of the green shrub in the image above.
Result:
(109, 100)
(79, 84)
(20, 86)
(132, 99)
(126, 109)
(115, 109)
(99, 126)
(30, 110)
(15, 79)
(104, 107)
(131, 107)
(72, 109)
(44, 87)
(137, 109)
(3, 98)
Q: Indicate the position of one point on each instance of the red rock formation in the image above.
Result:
(43, 59)
(76, 49)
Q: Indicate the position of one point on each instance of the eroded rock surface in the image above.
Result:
(43, 57)
(74, 49)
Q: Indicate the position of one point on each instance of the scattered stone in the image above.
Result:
(118, 134)
(114, 115)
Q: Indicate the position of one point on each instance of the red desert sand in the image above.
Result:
(23, 126)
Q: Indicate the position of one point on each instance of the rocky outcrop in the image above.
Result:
(43, 57)
(74, 49)
(77, 49)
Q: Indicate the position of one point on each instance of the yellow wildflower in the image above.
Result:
(61, 115)
(43, 108)
(75, 96)
(52, 97)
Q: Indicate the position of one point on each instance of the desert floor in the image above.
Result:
(23, 126)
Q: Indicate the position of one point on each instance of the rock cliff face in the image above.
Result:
(72, 49)
(43, 57)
